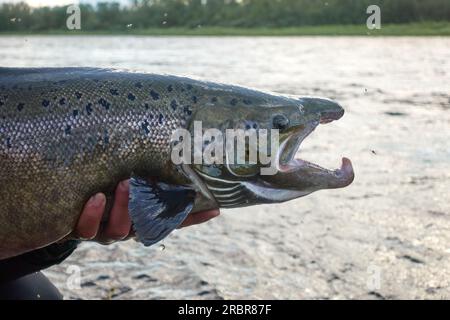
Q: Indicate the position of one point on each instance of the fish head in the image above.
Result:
(286, 122)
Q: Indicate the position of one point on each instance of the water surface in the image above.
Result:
(393, 222)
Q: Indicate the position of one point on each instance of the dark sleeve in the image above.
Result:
(36, 260)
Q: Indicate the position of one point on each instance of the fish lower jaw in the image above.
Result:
(338, 178)
(345, 173)
(287, 163)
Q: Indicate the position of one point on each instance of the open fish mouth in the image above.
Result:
(287, 177)
(301, 173)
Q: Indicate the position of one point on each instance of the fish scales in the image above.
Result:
(69, 133)
(66, 134)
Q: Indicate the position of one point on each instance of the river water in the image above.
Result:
(385, 236)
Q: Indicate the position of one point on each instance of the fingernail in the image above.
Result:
(97, 201)
(125, 185)
(216, 213)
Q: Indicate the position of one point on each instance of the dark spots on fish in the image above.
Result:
(78, 95)
(45, 103)
(234, 102)
(187, 110)
(255, 126)
(89, 108)
(114, 92)
(8, 143)
(62, 101)
(174, 105)
(138, 85)
(194, 99)
(189, 87)
(170, 88)
(68, 130)
(75, 113)
(20, 106)
(213, 99)
(96, 80)
(131, 97)
(105, 104)
(247, 102)
(146, 106)
(145, 126)
(248, 127)
(151, 116)
(160, 118)
(2, 103)
(154, 95)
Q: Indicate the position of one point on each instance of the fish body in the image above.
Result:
(68, 133)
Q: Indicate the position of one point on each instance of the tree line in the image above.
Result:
(142, 14)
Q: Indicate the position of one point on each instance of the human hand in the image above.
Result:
(118, 226)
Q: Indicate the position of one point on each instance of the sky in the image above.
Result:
(38, 3)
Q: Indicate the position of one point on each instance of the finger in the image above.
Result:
(199, 217)
(89, 221)
(119, 223)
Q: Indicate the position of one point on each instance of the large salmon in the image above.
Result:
(68, 133)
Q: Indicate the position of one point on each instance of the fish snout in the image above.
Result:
(327, 110)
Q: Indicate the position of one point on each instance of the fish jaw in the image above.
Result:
(292, 178)
(302, 177)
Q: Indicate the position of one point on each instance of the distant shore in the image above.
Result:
(413, 29)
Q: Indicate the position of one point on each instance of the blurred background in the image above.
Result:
(387, 236)
(218, 16)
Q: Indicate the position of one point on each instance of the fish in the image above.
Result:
(69, 133)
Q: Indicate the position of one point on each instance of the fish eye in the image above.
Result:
(280, 122)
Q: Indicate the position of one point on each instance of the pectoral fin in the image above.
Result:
(157, 208)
